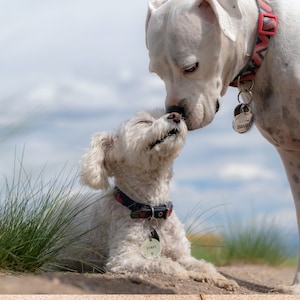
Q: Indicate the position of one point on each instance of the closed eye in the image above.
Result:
(192, 68)
(148, 122)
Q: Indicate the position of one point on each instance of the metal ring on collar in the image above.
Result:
(251, 86)
(152, 212)
(247, 92)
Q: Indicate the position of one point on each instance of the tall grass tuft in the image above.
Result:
(256, 241)
(35, 220)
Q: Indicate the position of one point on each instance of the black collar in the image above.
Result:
(140, 210)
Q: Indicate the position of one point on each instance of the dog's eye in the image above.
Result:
(192, 68)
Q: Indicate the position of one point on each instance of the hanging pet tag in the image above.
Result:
(151, 248)
(243, 118)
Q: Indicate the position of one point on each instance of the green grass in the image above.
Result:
(36, 220)
(256, 241)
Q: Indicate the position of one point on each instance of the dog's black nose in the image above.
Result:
(175, 108)
(175, 116)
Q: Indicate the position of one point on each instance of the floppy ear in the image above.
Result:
(152, 6)
(95, 162)
(228, 13)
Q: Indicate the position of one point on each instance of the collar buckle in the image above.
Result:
(267, 24)
(163, 211)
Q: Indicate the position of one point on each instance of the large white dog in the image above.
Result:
(200, 47)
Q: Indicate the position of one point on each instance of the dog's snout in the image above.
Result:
(175, 116)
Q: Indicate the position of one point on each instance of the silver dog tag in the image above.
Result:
(151, 248)
(243, 118)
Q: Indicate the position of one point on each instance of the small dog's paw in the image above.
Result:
(216, 279)
(227, 284)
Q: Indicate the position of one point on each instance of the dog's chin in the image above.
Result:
(193, 124)
(171, 141)
(197, 119)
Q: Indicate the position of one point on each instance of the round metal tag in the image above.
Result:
(151, 248)
(242, 122)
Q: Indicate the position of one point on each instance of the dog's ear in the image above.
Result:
(95, 169)
(228, 13)
(152, 6)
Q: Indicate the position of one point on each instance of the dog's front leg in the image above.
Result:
(135, 264)
(185, 268)
(291, 161)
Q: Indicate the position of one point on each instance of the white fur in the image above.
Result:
(143, 174)
(219, 35)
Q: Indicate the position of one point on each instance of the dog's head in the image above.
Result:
(147, 143)
(192, 47)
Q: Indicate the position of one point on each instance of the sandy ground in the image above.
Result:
(251, 279)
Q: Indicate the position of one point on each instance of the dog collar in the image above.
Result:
(140, 210)
(267, 27)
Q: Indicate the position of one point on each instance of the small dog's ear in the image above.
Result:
(94, 163)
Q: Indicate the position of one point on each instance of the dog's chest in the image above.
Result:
(278, 119)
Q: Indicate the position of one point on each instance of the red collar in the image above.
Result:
(267, 27)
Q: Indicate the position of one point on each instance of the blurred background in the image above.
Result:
(69, 68)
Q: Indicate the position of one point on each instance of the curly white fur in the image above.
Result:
(139, 156)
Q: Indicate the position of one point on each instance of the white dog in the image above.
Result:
(139, 231)
(200, 47)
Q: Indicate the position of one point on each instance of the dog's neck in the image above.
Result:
(151, 188)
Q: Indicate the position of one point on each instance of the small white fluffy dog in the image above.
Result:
(141, 233)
